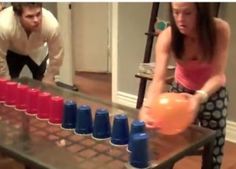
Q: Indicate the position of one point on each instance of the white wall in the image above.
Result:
(90, 40)
(133, 20)
(227, 12)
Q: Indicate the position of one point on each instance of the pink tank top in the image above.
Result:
(193, 74)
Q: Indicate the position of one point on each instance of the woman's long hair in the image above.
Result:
(206, 32)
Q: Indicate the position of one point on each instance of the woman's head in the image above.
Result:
(193, 20)
(184, 16)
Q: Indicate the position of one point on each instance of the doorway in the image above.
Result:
(90, 40)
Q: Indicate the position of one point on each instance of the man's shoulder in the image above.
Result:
(7, 19)
(49, 20)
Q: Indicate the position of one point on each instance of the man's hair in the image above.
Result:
(206, 32)
(18, 7)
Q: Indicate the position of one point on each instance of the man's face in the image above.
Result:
(31, 18)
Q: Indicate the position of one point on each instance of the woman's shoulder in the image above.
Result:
(164, 39)
(166, 32)
(165, 35)
(222, 26)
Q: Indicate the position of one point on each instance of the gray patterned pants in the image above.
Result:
(212, 115)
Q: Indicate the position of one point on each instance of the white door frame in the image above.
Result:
(114, 48)
(67, 70)
(64, 18)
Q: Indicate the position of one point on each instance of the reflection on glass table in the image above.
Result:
(39, 144)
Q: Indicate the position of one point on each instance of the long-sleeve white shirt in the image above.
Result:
(45, 40)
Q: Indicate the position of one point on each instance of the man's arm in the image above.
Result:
(55, 48)
(4, 44)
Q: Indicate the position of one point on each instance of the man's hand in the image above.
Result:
(49, 81)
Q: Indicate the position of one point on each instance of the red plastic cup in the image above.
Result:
(56, 110)
(3, 89)
(11, 94)
(21, 97)
(43, 105)
(32, 101)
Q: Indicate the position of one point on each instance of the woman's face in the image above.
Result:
(185, 16)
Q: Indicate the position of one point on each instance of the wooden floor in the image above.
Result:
(95, 84)
(99, 85)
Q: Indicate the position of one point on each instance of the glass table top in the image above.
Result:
(42, 145)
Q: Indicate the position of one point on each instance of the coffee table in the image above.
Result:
(38, 144)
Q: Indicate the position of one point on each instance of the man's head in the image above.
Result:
(30, 15)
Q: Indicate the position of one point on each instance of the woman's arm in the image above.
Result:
(162, 53)
(219, 61)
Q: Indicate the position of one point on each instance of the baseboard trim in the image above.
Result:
(77, 72)
(130, 101)
(231, 131)
(64, 85)
(126, 99)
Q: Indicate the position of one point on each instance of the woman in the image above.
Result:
(199, 44)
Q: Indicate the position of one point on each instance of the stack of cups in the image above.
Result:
(3, 89)
(69, 116)
(11, 88)
(56, 110)
(32, 100)
(101, 127)
(120, 130)
(43, 105)
(136, 127)
(139, 157)
(84, 121)
(21, 97)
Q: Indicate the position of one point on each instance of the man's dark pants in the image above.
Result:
(16, 62)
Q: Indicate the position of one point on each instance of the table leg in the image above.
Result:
(171, 166)
(141, 93)
(27, 167)
(207, 156)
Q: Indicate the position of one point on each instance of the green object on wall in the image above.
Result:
(161, 25)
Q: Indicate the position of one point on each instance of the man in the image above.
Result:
(29, 35)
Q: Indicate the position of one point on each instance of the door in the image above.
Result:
(90, 40)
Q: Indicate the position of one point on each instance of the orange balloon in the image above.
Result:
(171, 113)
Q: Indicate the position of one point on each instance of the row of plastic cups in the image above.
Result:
(80, 119)
(137, 139)
(56, 111)
(31, 100)
(13, 94)
(51, 108)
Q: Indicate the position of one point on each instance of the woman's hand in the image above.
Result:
(195, 102)
(144, 115)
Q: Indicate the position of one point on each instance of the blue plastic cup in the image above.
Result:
(139, 157)
(120, 130)
(137, 126)
(69, 115)
(101, 126)
(84, 124)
